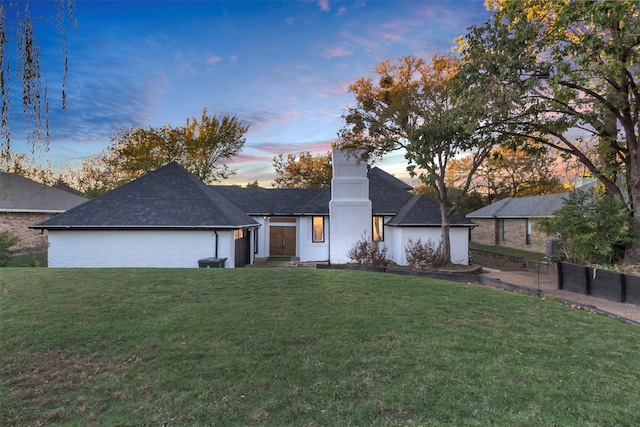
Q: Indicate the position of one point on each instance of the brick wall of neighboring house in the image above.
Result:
(491, 231)
(18, 223)
(485, 232)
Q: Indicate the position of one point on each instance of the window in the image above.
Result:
(504, 230)
(255, 240)
(318, 229)
(378, 229)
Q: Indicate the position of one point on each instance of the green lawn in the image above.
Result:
(302, 347)
(531, 256)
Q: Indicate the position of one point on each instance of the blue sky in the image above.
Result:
(283, 67)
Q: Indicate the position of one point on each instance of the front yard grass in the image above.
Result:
(501, 250)
(302, 347)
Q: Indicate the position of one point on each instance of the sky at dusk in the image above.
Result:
(283, 67)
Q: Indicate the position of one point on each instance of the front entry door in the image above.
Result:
(282, 241)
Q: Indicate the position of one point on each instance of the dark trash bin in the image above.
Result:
(211, 262)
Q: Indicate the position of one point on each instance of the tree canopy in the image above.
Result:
(303, 170)
(202, 147)
(411, 106)
(512, 173)
(563, 72)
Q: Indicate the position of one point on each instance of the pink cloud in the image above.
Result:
(324, 5)
(337, 51)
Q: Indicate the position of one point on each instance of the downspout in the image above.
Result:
(216, 254)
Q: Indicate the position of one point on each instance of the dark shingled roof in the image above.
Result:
(19, 194)
(387, 193)
(168, 198)
(422, 211)
(522, 207)
(527, 207)
(278, 201)
(172, 198)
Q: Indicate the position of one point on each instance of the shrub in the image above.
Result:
(368, 252)
(425, 255)
(7, 240)
(593, 228)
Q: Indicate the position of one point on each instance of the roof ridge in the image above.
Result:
(208, 191)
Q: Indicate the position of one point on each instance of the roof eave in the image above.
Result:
(144, 227)
(53, 211)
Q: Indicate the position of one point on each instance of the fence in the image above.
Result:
(599, 282)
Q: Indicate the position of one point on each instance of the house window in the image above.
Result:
(378, 229)
(504, 230)
(255, 241)
(318, 229)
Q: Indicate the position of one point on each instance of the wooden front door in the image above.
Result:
(282, 241)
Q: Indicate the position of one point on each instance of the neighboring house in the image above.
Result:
(514, 222)
(24, 202)
(168, 218)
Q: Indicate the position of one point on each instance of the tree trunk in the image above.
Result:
(445, 240)
(632, 251)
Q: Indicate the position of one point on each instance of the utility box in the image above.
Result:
(553, 246)
(211, 262)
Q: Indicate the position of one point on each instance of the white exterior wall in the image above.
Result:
(308, 250)
(263, 237)
(399, 238)
(349, 208)
(137, 248)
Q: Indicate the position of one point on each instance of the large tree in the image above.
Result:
(570, 72)
(202, 146)
(411, 106)
(302, 171)
(512, 173)
(17, 28)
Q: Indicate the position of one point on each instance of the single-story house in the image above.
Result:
(169, 218)
(24, 203)
(514, 221)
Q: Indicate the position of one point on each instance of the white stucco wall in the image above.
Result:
(350, 207)
(308, 250)
(397, 239)
(153, 248)
(263, 238)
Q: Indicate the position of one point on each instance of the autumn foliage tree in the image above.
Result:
(202, 147)
(512, 173)
(569, 72)
(411, 106)
(303, 170)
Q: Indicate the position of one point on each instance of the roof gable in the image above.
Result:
(169, 197)
(20, 194)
